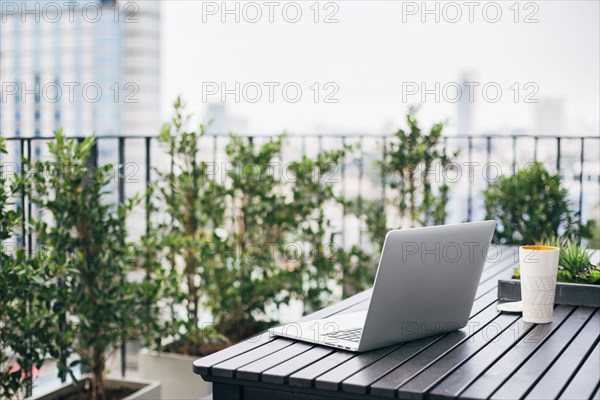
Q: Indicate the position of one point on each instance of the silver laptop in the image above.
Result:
(425, 285)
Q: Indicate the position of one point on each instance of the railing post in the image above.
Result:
(514, 152)
(147, 198)
(470, 191)
(27, 243)
(558, 155)
(488, 154)
(30, 255)
(581, 160)
(214, 151)
(360, 186)
(343, 178)
(121, 201)
(23, 216)
(383, 157)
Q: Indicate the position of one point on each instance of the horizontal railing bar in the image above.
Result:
(316, 135)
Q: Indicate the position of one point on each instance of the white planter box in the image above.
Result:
(144, 390)
(174, 371)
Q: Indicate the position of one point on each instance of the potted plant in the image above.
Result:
(280, 243)
(531, 205)
(413, 196)
(204, 254)
(189, 210)
(84, 235)
(27, 320)
(578, 279)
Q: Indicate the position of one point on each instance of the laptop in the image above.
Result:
(425, 285)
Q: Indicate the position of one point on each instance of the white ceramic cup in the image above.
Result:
(539, 266)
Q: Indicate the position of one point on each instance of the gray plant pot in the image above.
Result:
(174, 371)
(144, 389)
(572, 294)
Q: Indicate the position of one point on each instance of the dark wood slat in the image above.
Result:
(557, 377)
(227, 368)
(253, 370)
(456, 382)
(425, 379)
(438, 367)
(494, 259)
(525, 376)
(497, 267)
(387, 385)
(491, 379)
(359, 382)
(510, 252)
(482, 302)
(331, 379)
(203, 365)
(306, 376)
(582, 384)
(492, 284)
(279, 373)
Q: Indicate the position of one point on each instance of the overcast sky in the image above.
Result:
(374, 56)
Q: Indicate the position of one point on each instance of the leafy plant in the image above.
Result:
(531, 205)
(179, 249)
(238, 246)
(415, 198)
(23, 316)
(280, 244)
(407, 168)
(575, 264)
(27, 321)
(594, 241)
(85, 234)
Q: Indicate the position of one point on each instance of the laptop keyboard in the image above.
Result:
(351, 335)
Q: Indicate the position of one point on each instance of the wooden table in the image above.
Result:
(496, 356)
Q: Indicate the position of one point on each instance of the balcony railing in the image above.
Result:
(481, 160)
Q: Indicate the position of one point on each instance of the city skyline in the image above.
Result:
(369, 66)
(82, 67)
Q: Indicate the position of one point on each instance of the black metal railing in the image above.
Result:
(566, 154)
(576, 158)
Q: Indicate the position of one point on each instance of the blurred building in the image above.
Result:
(219, 120)
(91, 66)
(466, 104)
(549, 117)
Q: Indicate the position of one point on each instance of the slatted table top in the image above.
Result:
(495, 356)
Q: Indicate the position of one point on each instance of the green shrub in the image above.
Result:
(27, 320)
(188, 208)
(530, 206)
(594, 242)
(280, 244)
(407, 167)
(231, 245)
(414, 196)
(85, 238)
